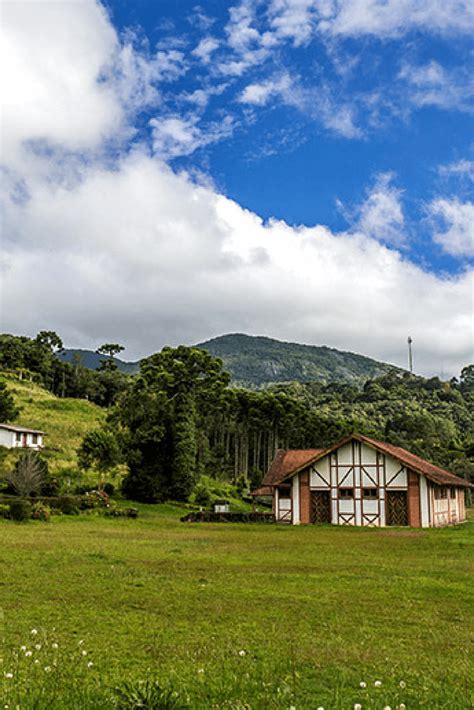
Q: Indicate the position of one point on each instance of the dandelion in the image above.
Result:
(80, 642)
(292, 707)
(357, 706)
(28, 653)
(38, 647)
(34, 632)
(47, 669)
(54, 645)
(200, 670)
(402, 684)
(402, 706)
(242, 653)
(90, 664)
(84, 653)
(387, 707)
(22, 648)
(8, 675)
(36, 662)
(362, 684)
(378, 684)
(320, 708)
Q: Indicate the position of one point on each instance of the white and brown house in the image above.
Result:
(362, 481)
(20, 437)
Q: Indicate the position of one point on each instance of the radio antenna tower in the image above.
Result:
(410, 354)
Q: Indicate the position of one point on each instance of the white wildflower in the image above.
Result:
(402, 684)
(200, 670)
(47, 669)
(8, 675)
(38, 647)
(22, 648)
(242, 653)
(402, 706)
(55, 646)
(362, 684)
(320, 708)
(80, 642)
(36, 662)
(84, 653)
(28, 653)
(34, 632)
(387, 707)
(357, 706)
(90, 664)
(292, 707)
(378, 684)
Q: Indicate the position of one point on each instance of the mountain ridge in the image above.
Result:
(255, 361)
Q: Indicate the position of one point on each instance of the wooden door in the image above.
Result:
(396, 508)
(320, 507)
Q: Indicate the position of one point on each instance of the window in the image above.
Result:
(35, 438)
(370, 493)
(346, 492)
(452, 492)
(18, 437)
(441, 492)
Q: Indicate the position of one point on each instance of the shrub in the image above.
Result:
(40, 511)
(20, 510)
(203, 496)
(4, 510)
(122, 513)
(29, 474)
(146, 694)
(108, 488)
(68, 505)
(94, 499)
(50, 487)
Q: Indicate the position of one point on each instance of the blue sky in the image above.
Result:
(296, 168)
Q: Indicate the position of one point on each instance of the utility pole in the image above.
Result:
(410, 354)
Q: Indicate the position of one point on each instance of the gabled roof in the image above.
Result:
(262, 491)
(289, 462)
(21, 429)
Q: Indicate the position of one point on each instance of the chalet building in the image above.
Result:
(15, 437)
(361, 481)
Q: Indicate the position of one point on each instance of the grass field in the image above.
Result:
(237, 616)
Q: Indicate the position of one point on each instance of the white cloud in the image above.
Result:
(433, 85)
(147, 257)
(259, 94)
(381, 215)
(175, 136)
(456, 220)
(205, 48)
(460, 168)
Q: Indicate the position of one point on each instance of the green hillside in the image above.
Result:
(64, 420)
(254, 361)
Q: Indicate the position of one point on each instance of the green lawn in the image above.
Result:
(313, 612)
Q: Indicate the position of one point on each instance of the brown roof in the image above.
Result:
(262, 491)
(21, 429)
(288, 463)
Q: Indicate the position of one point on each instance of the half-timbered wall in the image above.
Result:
(360, 480)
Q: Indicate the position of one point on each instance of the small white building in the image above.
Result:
(20, 437)
(221, 506)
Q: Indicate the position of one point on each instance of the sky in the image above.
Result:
(301, 169)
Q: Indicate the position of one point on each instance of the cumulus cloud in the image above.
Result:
(456, 222)
(433, 85)
(381, 215)
(205, 48)
(258, 94)
(124, 249)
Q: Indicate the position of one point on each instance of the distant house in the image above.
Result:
(20, 437)
(362, 481)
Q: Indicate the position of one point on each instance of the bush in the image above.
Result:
(108, 488)
(50, 487)
(122, 513)
(20, 510)
(40, 511)
(68, 505)
(94, 499)
(203, 496)
(4, 510)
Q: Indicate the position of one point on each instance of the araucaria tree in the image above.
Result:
(160, 416)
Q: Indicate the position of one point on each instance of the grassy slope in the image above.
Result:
(64, 420)
(316, 609)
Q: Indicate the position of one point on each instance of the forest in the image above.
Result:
(180, 418)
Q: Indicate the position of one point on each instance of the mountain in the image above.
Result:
(255, 361)
(92, 360)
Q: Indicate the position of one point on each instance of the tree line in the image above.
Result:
(179, 418)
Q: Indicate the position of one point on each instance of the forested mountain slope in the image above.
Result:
(254, 361)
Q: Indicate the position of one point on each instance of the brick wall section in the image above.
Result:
(414, 511)
(305, 498)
